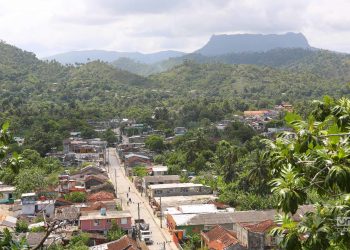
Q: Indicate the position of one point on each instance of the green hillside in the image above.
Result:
(45, 100)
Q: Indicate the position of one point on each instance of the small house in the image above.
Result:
(177, 189)
(159, 170)
(101, 221)
(256, 236)
(28, 201)
(132, 160)
(159, 179)
(220, 238)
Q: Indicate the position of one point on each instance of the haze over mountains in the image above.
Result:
(217, 45)
(85, 56)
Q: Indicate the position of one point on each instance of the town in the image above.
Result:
(174, 125)
(120, 198)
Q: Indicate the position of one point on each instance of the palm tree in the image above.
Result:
(259, 171)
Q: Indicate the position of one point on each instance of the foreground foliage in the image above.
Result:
(316, 160)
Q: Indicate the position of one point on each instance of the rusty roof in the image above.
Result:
(260, 227)
(124, 243)
(218, 233)
(101, 196)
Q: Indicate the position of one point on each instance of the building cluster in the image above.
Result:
(259, 120)
(95, 214)
(221, 228)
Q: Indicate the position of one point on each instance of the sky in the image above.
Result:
(47, 27)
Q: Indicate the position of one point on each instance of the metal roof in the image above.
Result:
(198, 208)
(136, 155)
(157, 178)
(109, 215)
(6, 188)
(175, 185)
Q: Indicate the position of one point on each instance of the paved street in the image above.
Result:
(159, 235)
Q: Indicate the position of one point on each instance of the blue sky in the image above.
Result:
(47, 27)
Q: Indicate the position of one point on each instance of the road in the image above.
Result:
(122, 184)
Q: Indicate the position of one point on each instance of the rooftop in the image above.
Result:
(28, 195)
(197, 208)
(175, 201)
(6, 188)
(255, 112)
(161, 178)
(159, 168)
(249, 217)
(136, 155)
(218, 233)
(101, 196)
(175, 185)
(109, 215)
(260, 227)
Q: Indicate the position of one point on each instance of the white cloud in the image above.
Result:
(48, 27)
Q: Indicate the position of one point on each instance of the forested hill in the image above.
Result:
(253, 83)
(326, 64)
(46, 100)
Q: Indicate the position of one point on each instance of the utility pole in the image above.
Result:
(138, 215)
(116, 184)
(161, 214)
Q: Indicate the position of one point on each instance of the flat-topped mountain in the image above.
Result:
(225, 44)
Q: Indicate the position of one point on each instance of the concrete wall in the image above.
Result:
(28, 209)
(89, 225)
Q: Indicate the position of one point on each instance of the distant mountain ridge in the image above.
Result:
(85, 56)
(217, 45)
(225, 44)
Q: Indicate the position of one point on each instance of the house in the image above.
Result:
(94, 180)
(28, 201)
(132, 160)
(92, 170)
(256, 113)
(256, 236)
(176, 201)
(180, 131)
(70, 213)
(159, 170)
(6, 193)
(67, 185)
(205, 221)
(186, 223)
(107, 187)
(124, 243)
(108, 205)
(47, 206)
(177, 189)
(137, 139)
(159, 179)
(101, 221)
(219, 238)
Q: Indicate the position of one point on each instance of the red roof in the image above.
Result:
(255, 112)
(95, 206)
(218, 233)
(124, 243)
(101, 196)
(260, 227)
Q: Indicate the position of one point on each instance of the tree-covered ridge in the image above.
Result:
(323, 63)
(260, 85)
(46, 100)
